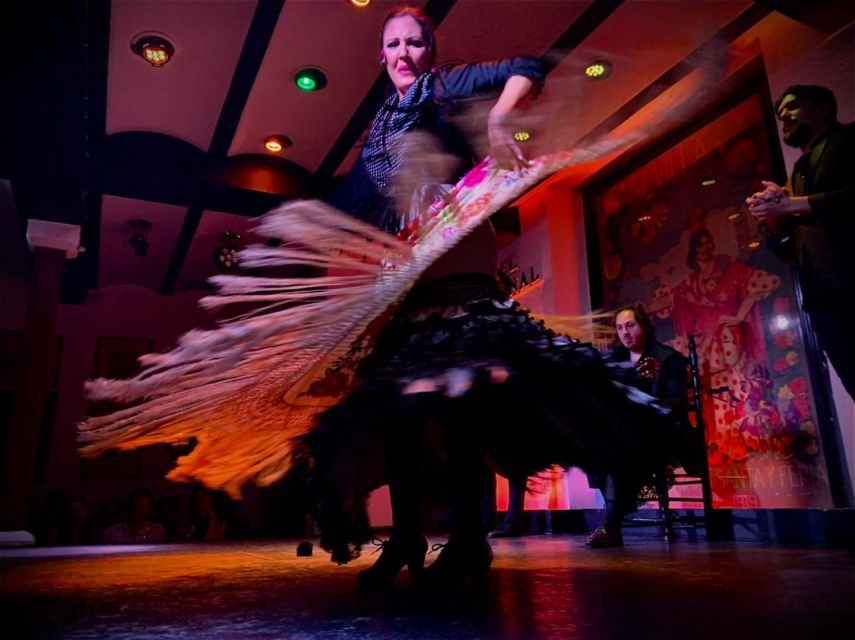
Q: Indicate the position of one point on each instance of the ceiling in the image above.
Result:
(97, 137)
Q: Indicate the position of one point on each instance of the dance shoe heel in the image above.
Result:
(457, 563)
(394, 555)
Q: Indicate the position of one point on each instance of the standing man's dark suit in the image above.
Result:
(823, 244)
(812, 220)
(824, 241)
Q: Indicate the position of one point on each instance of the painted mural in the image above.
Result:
(675, 235)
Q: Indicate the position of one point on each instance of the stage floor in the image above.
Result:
(540, 587)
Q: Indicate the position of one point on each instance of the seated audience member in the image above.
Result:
(206, 521)
(169, 515)
(513, 523)
(75, 525)
(45, 522)
(661, 372)
(138, 525)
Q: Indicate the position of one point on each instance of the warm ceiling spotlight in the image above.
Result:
(310, 79)
(360, 4)
(753, 244)
(275, 144)
(708, 183)
(522, 136)
(599, 69)
(155, 50)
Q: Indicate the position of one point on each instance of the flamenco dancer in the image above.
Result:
(412, 360)
(372, 378)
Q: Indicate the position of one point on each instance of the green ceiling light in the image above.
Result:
(310, 79)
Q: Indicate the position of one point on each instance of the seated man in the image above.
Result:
(139, 525)
(659, 371)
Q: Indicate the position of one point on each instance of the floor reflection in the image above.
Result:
(540, 587)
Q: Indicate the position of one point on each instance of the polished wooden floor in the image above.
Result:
(540, 587)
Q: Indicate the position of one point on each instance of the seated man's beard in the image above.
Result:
(799, 136)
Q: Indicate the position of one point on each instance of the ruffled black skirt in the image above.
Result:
(459, 356)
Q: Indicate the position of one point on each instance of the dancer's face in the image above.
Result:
(630, 333)
(405, 52)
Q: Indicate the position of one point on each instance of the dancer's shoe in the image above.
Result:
(395, 553)
(459, 560)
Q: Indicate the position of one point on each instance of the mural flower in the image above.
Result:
(801, 404)
(612, 267)
(808, 430)
(650, 222)
(798, 385)
(783, 339)
(781, 305)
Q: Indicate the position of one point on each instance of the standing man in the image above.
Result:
(811, 221)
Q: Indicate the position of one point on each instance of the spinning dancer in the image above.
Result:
(372, 383)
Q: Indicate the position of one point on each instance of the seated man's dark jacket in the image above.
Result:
(670, 387)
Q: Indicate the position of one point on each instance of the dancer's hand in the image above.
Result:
(503, 147)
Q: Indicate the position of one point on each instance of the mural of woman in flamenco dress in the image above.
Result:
(717, 302)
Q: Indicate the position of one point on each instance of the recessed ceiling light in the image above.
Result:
(708, 183)
(226, 251)
(522, 136)
(154, 49)
(276, 143)
(137, 236)
(360, 4)
(599, 69)
(310, 79)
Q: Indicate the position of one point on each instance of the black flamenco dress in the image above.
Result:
(462, 376)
